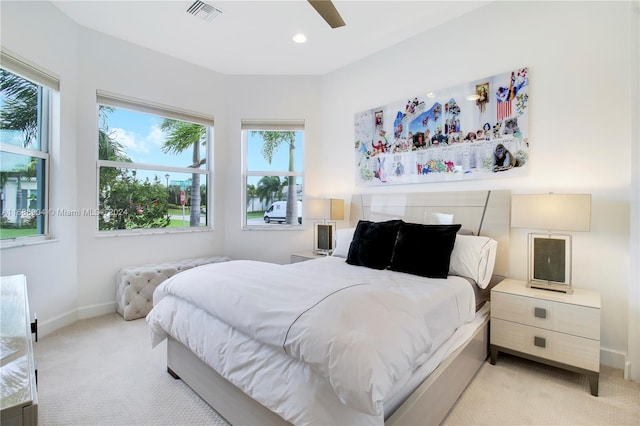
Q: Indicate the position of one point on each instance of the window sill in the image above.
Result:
(142, 232)
(19, 242)
(273, 228)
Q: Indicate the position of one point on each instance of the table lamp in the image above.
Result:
(323, 210)
(549, 255)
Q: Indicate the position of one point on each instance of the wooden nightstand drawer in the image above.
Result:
(559, 329)
(582, 321)
(564, 348)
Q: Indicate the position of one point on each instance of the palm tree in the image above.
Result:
(20, 113)
(268, 188)
(252, 193)
(271, 143)
(182, 136)
(20, 109)
(109, 149)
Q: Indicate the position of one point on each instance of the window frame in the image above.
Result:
(48, 92)
(268, 125)
(163, 111)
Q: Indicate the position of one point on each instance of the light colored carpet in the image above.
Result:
(102, 371)
(516, 391)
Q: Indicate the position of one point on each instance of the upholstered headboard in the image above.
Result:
(482, 212)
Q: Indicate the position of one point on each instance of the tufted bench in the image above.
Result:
(135, 284)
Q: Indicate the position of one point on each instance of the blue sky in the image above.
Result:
(12, 162)
(280, 161)
(142, 140)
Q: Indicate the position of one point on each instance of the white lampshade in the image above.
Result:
(325, 209)
(565, 212)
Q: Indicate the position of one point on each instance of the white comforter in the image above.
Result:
(362, 329)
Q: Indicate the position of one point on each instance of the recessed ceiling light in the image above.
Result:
(300, 38)
(431, 95)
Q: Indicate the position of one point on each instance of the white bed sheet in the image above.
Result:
(410, 383)
(304, 396)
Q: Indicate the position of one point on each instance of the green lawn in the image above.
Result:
(178, 212)
(16, 233)
(177, 223)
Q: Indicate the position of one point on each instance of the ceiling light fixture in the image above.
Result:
(300, 38)
(431, 95)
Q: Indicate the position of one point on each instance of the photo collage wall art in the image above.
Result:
(474, 131)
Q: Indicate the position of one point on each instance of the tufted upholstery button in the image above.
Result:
(135, 285)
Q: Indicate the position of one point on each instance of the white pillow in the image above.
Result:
(474, 257)
(343, 241)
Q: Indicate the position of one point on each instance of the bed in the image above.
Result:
(347, 340)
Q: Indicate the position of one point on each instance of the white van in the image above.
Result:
(277, 212)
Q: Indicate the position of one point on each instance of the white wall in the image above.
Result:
(115, 66)
(580, 127)
(632, 370)
(50, 267)
(268, 98)
(578, 59)
(74, 276)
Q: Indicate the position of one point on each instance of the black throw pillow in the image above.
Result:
(424, 250)
(372, 243)
(353, 257)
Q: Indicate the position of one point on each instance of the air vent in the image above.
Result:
(203, 11)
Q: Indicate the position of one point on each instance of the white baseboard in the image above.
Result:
(56, 323)
(68, 318)
(613, 358)
(96, 310)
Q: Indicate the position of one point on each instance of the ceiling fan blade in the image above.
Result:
(328, 11)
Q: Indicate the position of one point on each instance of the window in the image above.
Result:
(26, 98)
(153, 167)
(272, 174)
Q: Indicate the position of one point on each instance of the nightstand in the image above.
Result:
(558, 329)
(305, 255)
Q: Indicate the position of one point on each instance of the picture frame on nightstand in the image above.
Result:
(549, 265)
(324, 237)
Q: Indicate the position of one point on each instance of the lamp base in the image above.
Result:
(560, 288)
(324, 236)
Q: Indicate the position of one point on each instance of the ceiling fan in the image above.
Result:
(328, 11)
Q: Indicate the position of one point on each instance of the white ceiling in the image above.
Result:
(255, 37)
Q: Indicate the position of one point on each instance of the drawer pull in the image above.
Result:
(540, 342)
(540, 312)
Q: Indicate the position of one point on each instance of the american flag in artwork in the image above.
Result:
(503, 109)
(504, 95)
